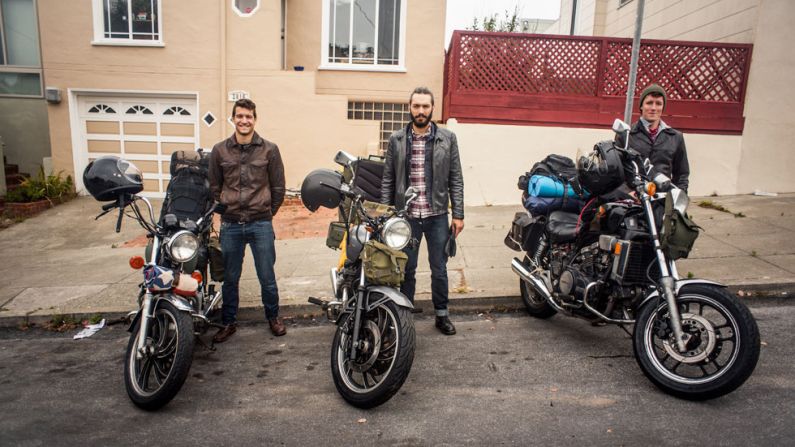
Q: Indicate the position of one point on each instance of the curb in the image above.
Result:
(751, 294)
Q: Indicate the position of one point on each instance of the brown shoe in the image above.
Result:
(277, 327)
(224, 333)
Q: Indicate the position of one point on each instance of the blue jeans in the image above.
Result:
(436, 231)
(234, 237)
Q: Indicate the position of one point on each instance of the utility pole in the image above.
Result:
(633, 65)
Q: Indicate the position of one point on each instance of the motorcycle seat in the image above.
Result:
(562, 226)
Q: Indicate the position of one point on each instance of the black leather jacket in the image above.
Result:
(667, 154)
(442, 171)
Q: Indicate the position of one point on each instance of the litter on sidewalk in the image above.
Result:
(90, 330)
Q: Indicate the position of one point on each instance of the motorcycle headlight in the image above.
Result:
(183, 246)
(396, 233)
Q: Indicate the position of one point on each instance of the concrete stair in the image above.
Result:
(13, 177)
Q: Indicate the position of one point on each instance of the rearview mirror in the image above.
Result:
(343, 158)
(620, 126)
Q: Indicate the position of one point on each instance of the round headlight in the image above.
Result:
(396, 233)
(183, 246)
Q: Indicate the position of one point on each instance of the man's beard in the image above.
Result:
(424, 124)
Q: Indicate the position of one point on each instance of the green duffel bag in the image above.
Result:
(383, 265)
(679, 233)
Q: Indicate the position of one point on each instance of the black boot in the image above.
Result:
(445, 326)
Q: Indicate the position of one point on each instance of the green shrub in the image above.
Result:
(51, 187)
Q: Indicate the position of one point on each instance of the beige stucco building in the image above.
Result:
(144, 78)
(760, 159)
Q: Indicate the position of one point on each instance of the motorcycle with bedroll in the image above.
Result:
(614, 262)
(373, 346)
(175, 298)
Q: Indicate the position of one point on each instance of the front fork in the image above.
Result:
(143, 329)
(357, 317)
(668, 276)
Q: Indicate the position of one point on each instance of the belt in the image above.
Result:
(245, 220)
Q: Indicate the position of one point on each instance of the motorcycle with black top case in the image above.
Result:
(615, 263)
(175, 298)
(373, 346)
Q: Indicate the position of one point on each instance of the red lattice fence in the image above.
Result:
(582, 81)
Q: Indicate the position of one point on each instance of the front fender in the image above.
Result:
(134, 321)
(176, 301)
(390, 294)
(678, 285)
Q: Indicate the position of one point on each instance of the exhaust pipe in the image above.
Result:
(536, 283)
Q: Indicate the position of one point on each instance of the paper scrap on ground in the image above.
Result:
(90, 330)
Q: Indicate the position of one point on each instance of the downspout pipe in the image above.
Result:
(222, 78)
(633, 64)
(573, 16)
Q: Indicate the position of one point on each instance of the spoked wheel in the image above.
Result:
(154, 379)
(535, 304)
(722, 346)
(384, 357)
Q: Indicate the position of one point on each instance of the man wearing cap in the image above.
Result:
(655, 140)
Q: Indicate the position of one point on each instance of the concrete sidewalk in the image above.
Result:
(64, 262)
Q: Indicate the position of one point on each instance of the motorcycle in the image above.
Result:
(614, 263)
(373, 346)
(175, 298)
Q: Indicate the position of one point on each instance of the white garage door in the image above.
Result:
(144, 130)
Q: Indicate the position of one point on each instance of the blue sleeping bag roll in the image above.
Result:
(543, 186)
(544, 205)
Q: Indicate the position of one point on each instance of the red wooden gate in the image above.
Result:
(535, 79)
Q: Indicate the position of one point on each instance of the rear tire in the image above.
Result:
(723, 347)
(385, 362)
(155, 379)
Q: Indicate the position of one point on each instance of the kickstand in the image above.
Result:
(623, 327)
(210, 347)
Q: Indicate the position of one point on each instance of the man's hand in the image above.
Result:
(457, 226)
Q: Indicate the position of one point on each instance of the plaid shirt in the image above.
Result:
(420, 207)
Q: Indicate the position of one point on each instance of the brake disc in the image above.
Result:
(700, 329)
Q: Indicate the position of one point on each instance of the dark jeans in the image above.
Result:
(234, 237)
(436, 231)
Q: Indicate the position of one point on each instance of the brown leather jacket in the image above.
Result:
(248, 179)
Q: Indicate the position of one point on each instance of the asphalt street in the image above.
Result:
(504, 379)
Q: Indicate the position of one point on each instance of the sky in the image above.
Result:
(461, 12)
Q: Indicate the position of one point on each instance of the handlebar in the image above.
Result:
(118, 221)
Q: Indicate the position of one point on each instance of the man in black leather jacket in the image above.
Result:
(425, 157)
(655, 140)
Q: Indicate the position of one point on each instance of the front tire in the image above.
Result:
(722, 350)
(155, 379)
(382, 364)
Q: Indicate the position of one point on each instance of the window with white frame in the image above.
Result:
(20, 62)
(364, 34)
(127, 22)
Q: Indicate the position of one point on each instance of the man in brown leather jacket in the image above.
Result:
(247, 178)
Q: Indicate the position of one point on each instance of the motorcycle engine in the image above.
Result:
(570, 281)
